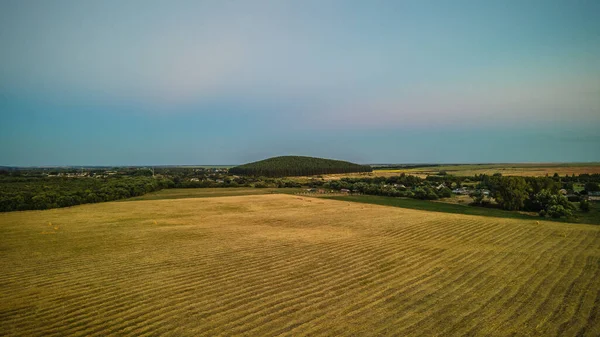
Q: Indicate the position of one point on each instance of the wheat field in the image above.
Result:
(267, 265)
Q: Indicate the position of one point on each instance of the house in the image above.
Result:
(219, 181)
(440, 186)
(345, 190)
(194, 179)
(461, 190)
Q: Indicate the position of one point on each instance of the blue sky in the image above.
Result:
(226, 82)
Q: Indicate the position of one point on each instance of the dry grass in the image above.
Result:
(281, 264)
(526, 170)
(183, 193)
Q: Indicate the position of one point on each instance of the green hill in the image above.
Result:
(297, 166)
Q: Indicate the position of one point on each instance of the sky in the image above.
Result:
(124, 82)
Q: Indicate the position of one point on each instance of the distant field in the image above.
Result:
(529, 170)
(261, 265)
(532, 170)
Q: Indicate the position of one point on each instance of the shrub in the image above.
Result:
(478, 197)
(584, 205)
(445, 192)
(592, 187)
(511, 192)
(556, 211)
(425, 193)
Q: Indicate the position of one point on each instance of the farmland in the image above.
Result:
(520, 169)
(283, 264)
(184, 193)
(467, 170)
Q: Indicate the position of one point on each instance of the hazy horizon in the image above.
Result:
(363, 163)
(117, 83)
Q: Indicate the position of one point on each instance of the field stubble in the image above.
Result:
(291, 265)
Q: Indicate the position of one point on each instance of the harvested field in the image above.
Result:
(280, 264)
(525, 170)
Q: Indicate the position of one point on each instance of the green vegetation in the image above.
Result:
(584, 206)
(532, 194)
(26, 193)
(29, 189)
(42, 188)
(297, 166)
(543, 195)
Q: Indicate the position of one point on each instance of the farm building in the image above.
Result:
(461, 190)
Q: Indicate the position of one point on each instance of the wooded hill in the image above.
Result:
(297, 166)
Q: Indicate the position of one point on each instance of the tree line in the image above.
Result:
(543, 195)
(36, 192)
(534, 194)
(41, 189)
(29, 193)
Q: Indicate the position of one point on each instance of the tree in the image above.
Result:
(569, 186)
(40, 201)
(425, 193)
(511, 193)
(478, 197)
(445, 192)
(584, 205)
(554, 205)
(557, 211)
(592, 187)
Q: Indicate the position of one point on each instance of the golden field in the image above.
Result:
(265, 265)
(525, 170)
